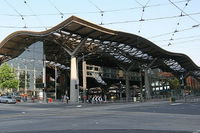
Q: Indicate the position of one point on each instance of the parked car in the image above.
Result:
(17, 98)
(7, 99)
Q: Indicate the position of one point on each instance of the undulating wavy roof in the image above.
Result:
(121, 47)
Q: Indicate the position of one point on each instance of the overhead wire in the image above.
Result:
(182, 42)
(178, 23)
(38, 19)
(22, 27)
(150, 19)
(131, 21)
(167, 33)
(184, 12)
(100, 11)
(61, 14)
(180, 38)
(141, 15)
(90, 12)
(143, 9)
(133, 8)
(22, 17)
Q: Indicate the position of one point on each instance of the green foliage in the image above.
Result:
(174, 83)
(172, 99)
(8, 77)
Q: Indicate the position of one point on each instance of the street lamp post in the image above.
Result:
(18, 76)
(44, 77)
(34, 82)
(26, 79)
(56, 82)
(120, 90)
(84, 80)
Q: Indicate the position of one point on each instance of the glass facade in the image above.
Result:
(29, 67)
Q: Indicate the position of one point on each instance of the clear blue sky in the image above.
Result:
(121, 15)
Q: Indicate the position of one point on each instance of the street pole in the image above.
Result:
(120, 90)
(56, 82)
(141, 87)
(84, 80)
(127, 86)
(34, 81)
(25, 79)
(18, 76)
(44, 77)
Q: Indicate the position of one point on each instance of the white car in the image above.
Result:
(7, 99)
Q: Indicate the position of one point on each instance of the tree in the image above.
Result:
(8, 80)
(174, 83)
(174, 86)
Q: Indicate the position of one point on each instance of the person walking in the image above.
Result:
(64, 98)
(67, 99)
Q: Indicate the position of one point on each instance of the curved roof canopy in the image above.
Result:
(79, 37)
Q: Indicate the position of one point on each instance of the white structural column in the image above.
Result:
(74, 81)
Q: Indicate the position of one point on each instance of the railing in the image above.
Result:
(191, 98)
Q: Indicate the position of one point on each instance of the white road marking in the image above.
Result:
(175, 103)
(79, 106)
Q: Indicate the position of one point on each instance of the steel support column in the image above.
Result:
(147, 84)
(141, 86)
(127, 85)
(126, 71)
(84, 80)
(56, 76)
(147, 79)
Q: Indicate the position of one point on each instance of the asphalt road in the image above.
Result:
(159, 117)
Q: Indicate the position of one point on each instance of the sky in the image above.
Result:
(173, 25)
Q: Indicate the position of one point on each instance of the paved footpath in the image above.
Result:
(148, 117)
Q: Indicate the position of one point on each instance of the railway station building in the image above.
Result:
(83, 60)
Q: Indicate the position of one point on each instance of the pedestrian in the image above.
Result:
(64, 98)
(67, 99)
